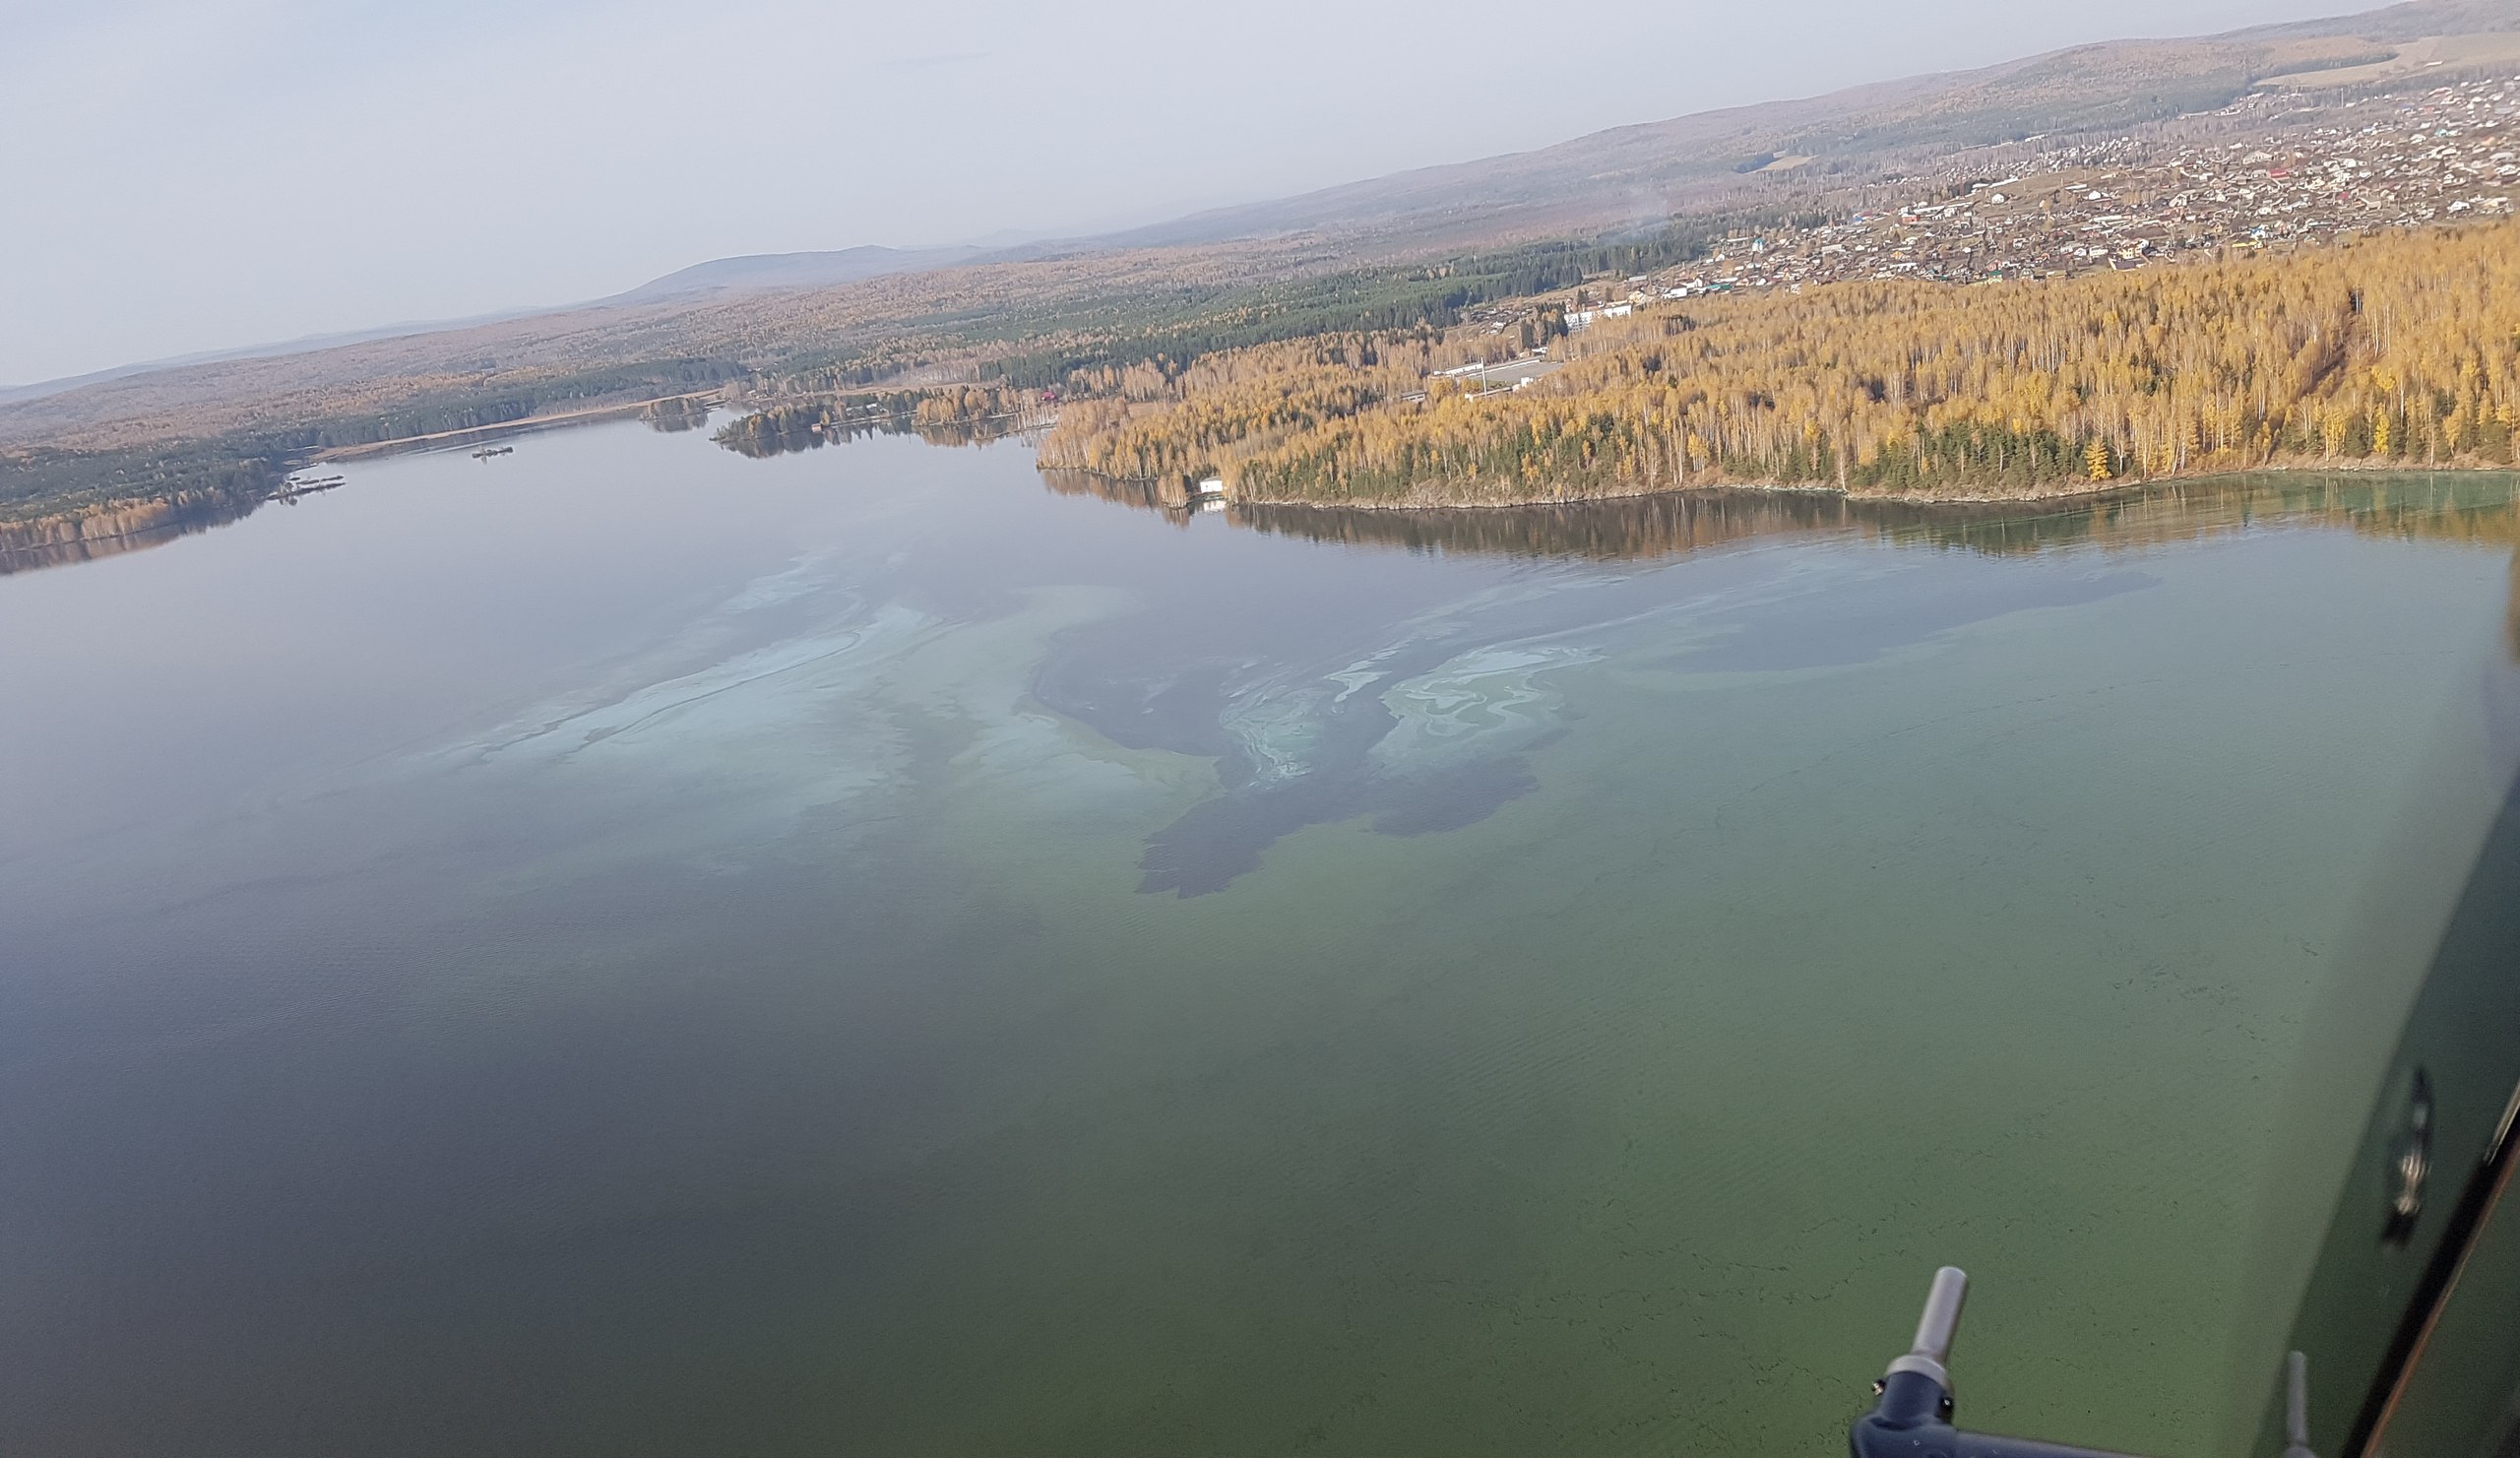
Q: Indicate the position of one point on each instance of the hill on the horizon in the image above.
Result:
(788, 271)
(749, 274)
(1651, 171)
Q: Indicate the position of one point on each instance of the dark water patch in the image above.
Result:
(1217, 840)
(1225, 838)
(1301, 738)
(1450, 800)
(1142, 705)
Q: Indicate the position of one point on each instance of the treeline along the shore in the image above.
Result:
(53, 494)
(954, 414)
(2398, 348)
(1048, 339)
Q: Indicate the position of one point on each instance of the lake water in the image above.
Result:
(626, 949)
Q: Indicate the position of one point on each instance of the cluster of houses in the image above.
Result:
(2269, 168)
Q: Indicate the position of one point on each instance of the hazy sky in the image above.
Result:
(195, 174)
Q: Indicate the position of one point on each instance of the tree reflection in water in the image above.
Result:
(2477, 508)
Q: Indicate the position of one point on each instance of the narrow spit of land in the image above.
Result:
(549, 420)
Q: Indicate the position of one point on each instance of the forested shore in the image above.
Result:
(1019, 330)
(2397, 348)
(2400, 350)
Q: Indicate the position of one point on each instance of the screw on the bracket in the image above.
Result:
(2410, 1163)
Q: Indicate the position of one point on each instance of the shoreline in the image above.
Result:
(74, 535)
(66, 537)
(2078, 493)
(520, 425)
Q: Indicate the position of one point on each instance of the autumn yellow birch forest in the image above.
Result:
(2395, 350)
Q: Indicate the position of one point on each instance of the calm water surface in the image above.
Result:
(626, 949)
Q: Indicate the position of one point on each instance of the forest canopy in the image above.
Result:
(2400, 348)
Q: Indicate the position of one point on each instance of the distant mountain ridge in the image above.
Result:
(756, 272)
(307, 344)
(1646, 172)
(751, 272)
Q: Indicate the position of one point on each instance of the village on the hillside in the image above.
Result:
(2295, 170)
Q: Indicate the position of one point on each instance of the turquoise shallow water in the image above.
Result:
(628, 949)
